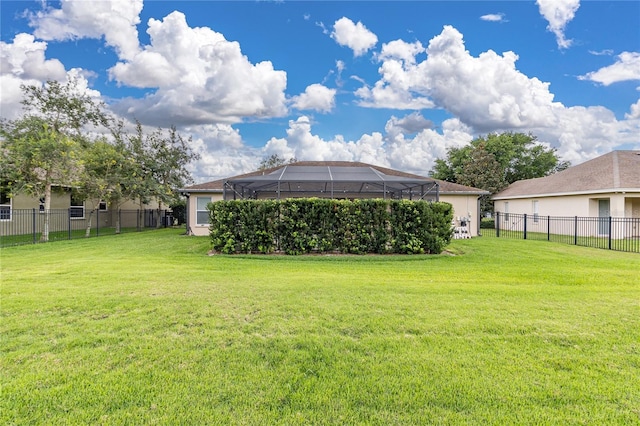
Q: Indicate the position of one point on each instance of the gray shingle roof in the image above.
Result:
(617, 170)
(447, 188)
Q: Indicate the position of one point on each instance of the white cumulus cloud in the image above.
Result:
(315, 97)
(24, 62)
(488, 93)
(354, 36)
(200, 78)
(116, 20)
(394, 149)
(634, 111)
(559, 13)
(626, 68)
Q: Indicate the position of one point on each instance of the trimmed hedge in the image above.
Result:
(306, 225)
(487, 223)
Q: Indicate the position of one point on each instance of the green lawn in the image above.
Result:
(145, 328)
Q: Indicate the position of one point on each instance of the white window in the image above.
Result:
(202, 214)
(76, 209)
(102, 206)
(535, 211)
(5, 205)
(41, 205)
(506, 211)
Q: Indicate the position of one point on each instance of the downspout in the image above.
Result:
(479, 217)
(186, 194)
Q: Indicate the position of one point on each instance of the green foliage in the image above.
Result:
(179, 211)
(306, 225)
(487, 223)
(160, 161)
(497, 160)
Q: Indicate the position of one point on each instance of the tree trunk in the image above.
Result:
(47, 206)
(159, 222)
(118, 221)
(87, 233)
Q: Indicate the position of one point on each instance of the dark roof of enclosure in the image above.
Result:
(331, 181)
(372, 170)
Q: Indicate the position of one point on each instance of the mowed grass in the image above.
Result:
(147, 329)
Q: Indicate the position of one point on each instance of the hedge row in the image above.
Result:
(305, 225)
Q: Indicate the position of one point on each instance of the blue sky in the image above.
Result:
(390, 83)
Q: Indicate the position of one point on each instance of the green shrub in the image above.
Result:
(305, 225)
(487, 223)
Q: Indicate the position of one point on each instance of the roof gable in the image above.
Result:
(610, 172)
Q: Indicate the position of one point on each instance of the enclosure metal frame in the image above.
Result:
(330, 182)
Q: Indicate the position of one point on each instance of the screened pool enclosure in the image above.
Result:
(347, 182)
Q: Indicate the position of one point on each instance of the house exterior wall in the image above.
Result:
(26, 214)
(195, 227)
(586, 207)
(463, 206)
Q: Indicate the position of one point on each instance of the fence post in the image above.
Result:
(575, 231)
(69, 220)
(497, 224)
(609, 232)
(525, 226)
(98, 221)
(34, 225)
(138, 220)
(548, 228)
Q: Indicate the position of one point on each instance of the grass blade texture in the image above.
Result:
(147, 329)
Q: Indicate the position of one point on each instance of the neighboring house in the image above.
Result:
(606, 186)
(331, 179)
(19, 214)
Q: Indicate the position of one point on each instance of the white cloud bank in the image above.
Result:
(489, 94)
(200, 78)
(626, 68)
(116, 20)
(24, 62)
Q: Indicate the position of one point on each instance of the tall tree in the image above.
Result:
(105, 169)
(38, 158)
(170, 154)
(160, 165)
(497, 160)
(43, 147)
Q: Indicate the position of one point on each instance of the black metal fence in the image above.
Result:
(611, 233)
(28, 226)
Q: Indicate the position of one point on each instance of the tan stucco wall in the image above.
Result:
(196, 229)
(563, 209)
(621, 205)
(463, 206)
(22, 219)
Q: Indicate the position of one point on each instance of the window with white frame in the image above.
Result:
(5, 205)
(506, 211)
(535, 211)
(202, 214)
(76, 208)
(102, 206)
